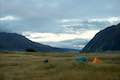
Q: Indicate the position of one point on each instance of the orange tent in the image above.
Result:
(96, 60)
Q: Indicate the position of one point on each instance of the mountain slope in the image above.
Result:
(16, 42)
(71, 44)
(105, 40)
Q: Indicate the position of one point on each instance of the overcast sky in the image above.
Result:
(58, 22)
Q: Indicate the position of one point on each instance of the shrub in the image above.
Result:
(30, 50)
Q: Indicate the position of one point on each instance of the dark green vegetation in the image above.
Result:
(30, 66)
(30, 50)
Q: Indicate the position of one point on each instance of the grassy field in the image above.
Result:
(30, 66)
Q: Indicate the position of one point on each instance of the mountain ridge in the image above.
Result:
(17, 42)
(107, 39)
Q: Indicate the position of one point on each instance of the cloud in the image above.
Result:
(57, 37)
(8, 18)
(70, 20)
(81, 25)
(58, 18)
(106, 19)
(111, 20)
(73, 44)
(59, 9)
(63, 40)
(9, 24)
(78, 46)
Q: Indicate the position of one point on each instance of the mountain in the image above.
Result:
(77, 44)
(17, 42)
(105, 40)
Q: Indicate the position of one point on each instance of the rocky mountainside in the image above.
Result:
(16, 42)
(105, 40)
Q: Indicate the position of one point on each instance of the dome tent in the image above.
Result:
(81, 59)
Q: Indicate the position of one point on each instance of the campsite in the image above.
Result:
(59, 39)
(59, 66)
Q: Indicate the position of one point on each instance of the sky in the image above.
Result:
(59, 23)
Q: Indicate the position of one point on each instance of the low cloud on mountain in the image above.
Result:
(54, 21)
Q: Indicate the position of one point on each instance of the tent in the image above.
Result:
(82, 59)
(96, 60)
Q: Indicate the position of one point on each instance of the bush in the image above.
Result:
(30, 50)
